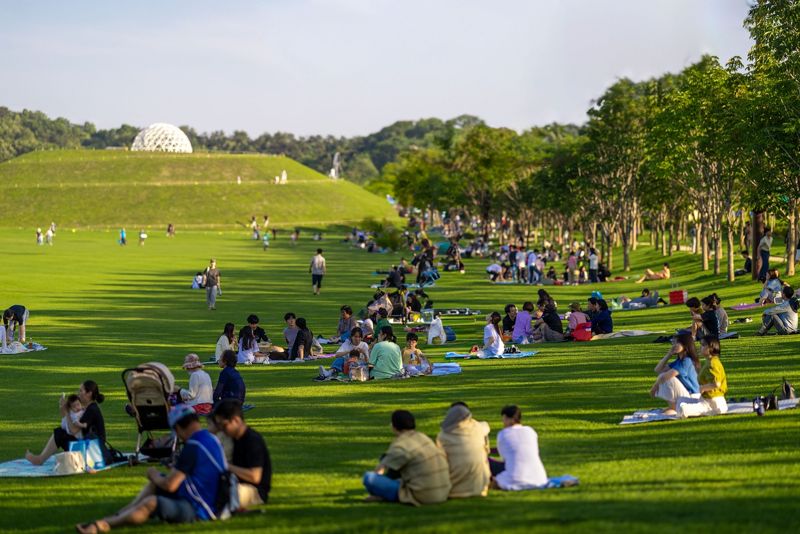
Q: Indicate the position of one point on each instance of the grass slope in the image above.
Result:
(100, 307)
(85, 188)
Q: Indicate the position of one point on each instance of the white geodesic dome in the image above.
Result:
(161, 137)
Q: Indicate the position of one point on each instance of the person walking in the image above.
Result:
(317, 268)
(763, 250)
(212, 283)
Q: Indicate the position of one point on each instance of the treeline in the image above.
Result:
(693, 152)
(362, 158)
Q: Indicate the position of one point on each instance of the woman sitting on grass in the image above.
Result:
(492, 338)
(386, 359)
(523, 325)
(521, 468)
(677, 379)
(705, 322)
(713, 385)
(601, 321)
(346, 323)
(248, 348)
(771, 289)
(91, 422)
(230, 384)
(200, 395)
(547, 326)
(302, 342)
(663, 274)
(226, 341)
(341, 362)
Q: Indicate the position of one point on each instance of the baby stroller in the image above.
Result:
(149, 387)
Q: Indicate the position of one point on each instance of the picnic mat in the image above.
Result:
(22, 468)
(270, 362)
(480, 356)
(743, 306)
(439, 369)
(15, 347)
(624, 333)
(564, 481)
(734, 408)
(405, 286)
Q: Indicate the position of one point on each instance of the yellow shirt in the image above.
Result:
(713, 373)
(411, 356)
(422, 466)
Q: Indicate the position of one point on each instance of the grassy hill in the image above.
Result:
(84, 188)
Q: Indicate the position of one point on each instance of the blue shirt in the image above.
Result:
(202, 460)
(602, 323)
(687, 374)
(230, 385)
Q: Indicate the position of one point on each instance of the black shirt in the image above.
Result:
(259, 333)
(16, 314)
(551, 319)
(395, 279)
(508, 324)
(710, 324)
(95, 424)
(303, 339)
(748, 265)
(251, 451)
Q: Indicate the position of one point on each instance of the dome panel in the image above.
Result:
(162, 137)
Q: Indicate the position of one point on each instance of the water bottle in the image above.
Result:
(758, 406)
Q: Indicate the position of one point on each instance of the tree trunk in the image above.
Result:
(610, 251)
(704, 246)
(729, 242)
(757, 228)
(717, 252)
(663, 240)
(792, 237)
(671, 234)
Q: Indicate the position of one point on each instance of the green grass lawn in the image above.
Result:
(101, 189)
(101, 308)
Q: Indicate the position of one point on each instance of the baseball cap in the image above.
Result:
(179, 412)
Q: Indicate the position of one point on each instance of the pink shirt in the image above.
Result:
(576, 318)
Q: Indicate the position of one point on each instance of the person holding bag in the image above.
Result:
(91, 421)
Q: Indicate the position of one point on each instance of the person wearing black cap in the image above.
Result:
(188, 492)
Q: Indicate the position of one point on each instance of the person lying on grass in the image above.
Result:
(647, 298)
(413, 470)
(677, 379)
(713, 385)
(386, 359)
(782, 317)
(187, 493)
(465, 443)
(414, 361)
(521, 468)
(250, 461)
(91, 423)
(663, 274)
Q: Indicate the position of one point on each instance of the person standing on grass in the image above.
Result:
(212, 282)
(763, 250)
(413, 470)
(16, 318)
(187, 493)
(250, 462)
(594, 261)
(123, 237)
(317, 268)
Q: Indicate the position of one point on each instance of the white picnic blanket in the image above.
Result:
(624, 333)
(481, 356)
(734, 408)
(450, 368)
(22, 468)
(15, 347)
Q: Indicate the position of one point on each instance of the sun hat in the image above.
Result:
(192, 361)
(179, 412)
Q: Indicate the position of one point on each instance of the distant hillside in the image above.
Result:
(92, 188)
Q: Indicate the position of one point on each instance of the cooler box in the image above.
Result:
(679, 296)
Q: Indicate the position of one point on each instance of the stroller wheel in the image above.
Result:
(133, 460)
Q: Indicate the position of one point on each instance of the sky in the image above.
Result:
(345, 67)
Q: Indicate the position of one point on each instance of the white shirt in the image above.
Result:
(75, 417)
(246, 355)
(765, 243)
(494, 268)
(3, 345)
(531, 259)
(200, 389)
(222, 345)
(519, 447)
(347, 346)
(593, 262)
(436, 330)
(318, 264)
(492, 340)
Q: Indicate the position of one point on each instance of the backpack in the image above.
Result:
(582, 332)
(227, 501)
(787, 390)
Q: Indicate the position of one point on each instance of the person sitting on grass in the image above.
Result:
(748, 265)
(226, 341)
(492, 338)
(230, 384)
(71, 422)
(346, 323)
(91, 422)
(386, 359)
(521, 468)
(465, 442)
(248, 348)
(663, 274)
(258, 333)
(413, 470)
(547, 326)
(602, 323)
(200, 395)
(301, 349)
(677, 379)
(713, 385)
(290, 332)
(508, 321)
(771, 289)
(414, 361)
(343, 359)
(705, 322)
(782, 317)
(187, 493)
(250, 462)
(722, 315)
(383, 319)
(576, 316)
(522, 332)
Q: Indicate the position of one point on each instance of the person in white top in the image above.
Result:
(317, 268)
(227, 341)
(594, 262)
(436, 333)
(200, 395)
(492, 340)
(521, 468)
(355, 342)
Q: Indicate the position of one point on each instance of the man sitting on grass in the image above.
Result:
(414, 470)
(251, 462)
(188, 493)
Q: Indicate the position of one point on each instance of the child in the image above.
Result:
(197, 283)
(383, 319)
(265, 240)
(414, 362)
(71, 422)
